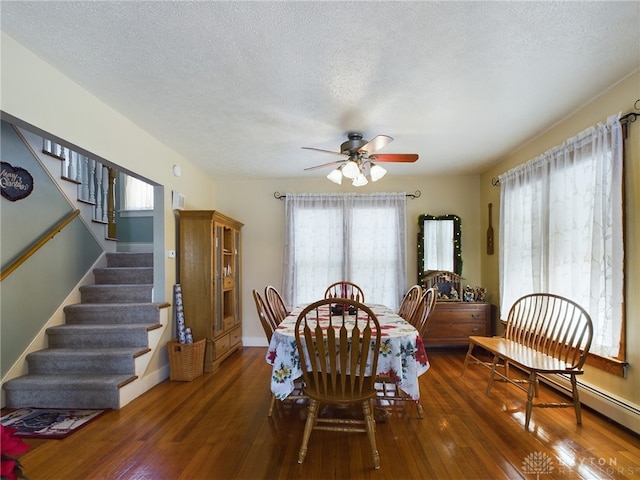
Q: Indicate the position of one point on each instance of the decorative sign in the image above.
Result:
(16, 182)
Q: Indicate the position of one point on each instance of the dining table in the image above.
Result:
(402, 356)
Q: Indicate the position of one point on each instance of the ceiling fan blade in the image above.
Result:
(375, 144)
(394, 157)
(325, 164)
(325, 151)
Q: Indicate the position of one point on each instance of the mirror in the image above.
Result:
(439, 246)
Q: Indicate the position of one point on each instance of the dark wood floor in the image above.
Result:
(216, 427)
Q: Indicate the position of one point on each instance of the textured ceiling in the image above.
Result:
(239, 87)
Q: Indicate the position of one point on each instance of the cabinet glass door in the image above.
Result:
(218, 279)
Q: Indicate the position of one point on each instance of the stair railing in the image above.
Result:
(96, 182)
(39, 244)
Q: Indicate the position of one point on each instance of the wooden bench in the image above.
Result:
(545, 334)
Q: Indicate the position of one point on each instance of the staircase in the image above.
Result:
(93, 355)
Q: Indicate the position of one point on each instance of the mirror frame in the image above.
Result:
(457, 242)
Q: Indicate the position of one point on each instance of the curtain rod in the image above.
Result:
(282, 196)
(631, 116)
(625, 119)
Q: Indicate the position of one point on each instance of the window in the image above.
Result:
(138, 195)
(561, 230)
(333, 237)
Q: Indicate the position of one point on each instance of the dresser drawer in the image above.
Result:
(452, 323)
(456, 329)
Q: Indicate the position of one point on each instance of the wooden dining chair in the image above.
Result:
(345, 290)
(422, 315)
(387, 387)
(266, 320)
(410, 302)
(275, 303)
(339, 365)
(269, 325)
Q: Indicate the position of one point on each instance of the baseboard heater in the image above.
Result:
(617, 410)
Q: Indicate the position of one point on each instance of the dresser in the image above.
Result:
(209, 257)
(451, 323)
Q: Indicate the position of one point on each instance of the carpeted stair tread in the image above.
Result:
(99, 336)
(130, 351)
(87, 361)
(129, 259)
(127, 293)
(70, 381)
(120, 275)
(111, 313)
(66, 391)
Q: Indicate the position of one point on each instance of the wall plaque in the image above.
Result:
(16, 182)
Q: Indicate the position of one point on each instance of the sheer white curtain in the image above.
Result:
(561, 229)
(138, 195)
(333, 237)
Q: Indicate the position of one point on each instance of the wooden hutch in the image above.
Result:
(209, 273)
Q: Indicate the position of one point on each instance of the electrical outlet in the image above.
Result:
(171, 254)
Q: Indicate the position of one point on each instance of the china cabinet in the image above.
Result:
(209, 273)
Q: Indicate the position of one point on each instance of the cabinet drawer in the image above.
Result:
(221, 345)
(235, 336)
(460, 312)
(456, 329)
(227, 282)
(228, 323)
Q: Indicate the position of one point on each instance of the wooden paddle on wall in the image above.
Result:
(490, 234)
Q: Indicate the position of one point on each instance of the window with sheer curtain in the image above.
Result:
(334, 237)
(138, 195)
(561, 229)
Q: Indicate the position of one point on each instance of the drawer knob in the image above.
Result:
(475, 330)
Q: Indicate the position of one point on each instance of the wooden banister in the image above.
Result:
(44, 239)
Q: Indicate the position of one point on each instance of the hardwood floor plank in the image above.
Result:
(216, 427)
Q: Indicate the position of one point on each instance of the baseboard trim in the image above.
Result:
(605, 403)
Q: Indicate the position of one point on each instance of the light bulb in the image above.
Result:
(376, 172)
(350, 169)
(335, 176)
(360, 180)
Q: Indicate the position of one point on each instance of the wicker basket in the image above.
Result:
(186, 360)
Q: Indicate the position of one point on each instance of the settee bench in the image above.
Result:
(544, 334)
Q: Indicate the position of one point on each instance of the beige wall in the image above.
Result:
(619, 98)
(252, 202)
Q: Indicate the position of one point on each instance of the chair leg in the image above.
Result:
(367, 410)
(420, 411)
(493, 372)
(530, 394)
(466, 359)
(576, 399)
(272, 405)
(311, 420)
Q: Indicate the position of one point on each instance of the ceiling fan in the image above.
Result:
(358, 159)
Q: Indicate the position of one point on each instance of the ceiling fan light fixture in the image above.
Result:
(335, 176)
(350, 169)
(376, 172)
(360, 180)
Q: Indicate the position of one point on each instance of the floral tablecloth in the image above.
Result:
(402, 355)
